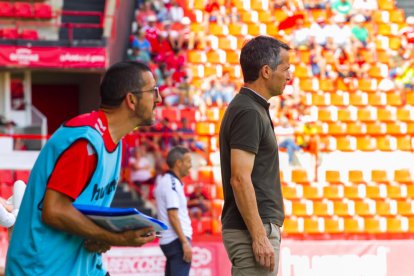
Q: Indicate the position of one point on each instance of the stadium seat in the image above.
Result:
(300, 176)
(323, 208)
(394, 99)
(6, 9)
(354, 225)
(313, 225)
(6, 190)
(365, 207)
(374, 128)
(386, 143)
(346, 115)
(334, 225)
(218, 29)
(404, 143)
(366, 143)
(29, 34)
(354, 191)
(294, 225)
(22, 175)
(9, 33)
(339, 100)
(333, 177)
(376, 191)
(23, 10)
(397, 225)
(333, 192)
(237, 29)
(232, 56)
(379, 176)
(6, 177)
(43, 11)
(356, 176)
(343, 207)
(312, 192)
(346, 143)
(397, 16)
(375, 225)
(403, 176)
(405, 207)
(366, 114)
(302, 208)
(396, 191)
(291, 192)
(386, 114)
(386, 207)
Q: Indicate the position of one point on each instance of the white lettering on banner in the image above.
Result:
(23, 56)
(134, 265)
(339, 265)
(200, 272)
(201, 257)
(81, 58)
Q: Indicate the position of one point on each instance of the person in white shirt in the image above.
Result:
(172, 210)
(10, 208)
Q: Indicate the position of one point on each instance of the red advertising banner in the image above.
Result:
(52, 57)
(297, 258)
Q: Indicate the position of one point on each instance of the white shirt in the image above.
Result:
(169, 194)
(365, 5)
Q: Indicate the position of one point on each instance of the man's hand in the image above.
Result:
(264, 252)
(188, 253)
(96, 246)
(137, 237)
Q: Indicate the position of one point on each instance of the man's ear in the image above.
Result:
(266, 71)
(130, 101)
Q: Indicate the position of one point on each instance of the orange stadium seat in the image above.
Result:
(375, 128)
(386, 4)
(394, 99)
(404, 143)
(336, 128)
(397, 225)
(346, 143)
(386, 143)
(342, 208)
(313, 225)
(365, 207)
(379, 176)
(333, 177)
(366, 143)
(403, 176)
(300, 176)
(397, 16)
(339, 99)
(291, 225)
(266, 17)
(354, 191)
(386, 114)
(325, 115)
(346, 115)
(218, 29)
(302, 208)
(333, 192)
(291, 192)
(334, 225)
(353, 225)
(377, 99)
(356, 176)
(375, 225)
(237, 29)
(312, 192)
(405, 207)
(375, 191)
(395, 191)
(384, 207)
(323, 208)
(358, 99)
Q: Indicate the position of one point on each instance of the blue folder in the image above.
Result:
(120, 219)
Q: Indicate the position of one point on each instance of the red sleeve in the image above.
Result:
(73, 169)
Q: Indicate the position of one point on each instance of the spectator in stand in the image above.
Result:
(341, 33)
(365, 7)
(407, 33)
(144, 12)
(198, 203)
(343, 67)
(300, 36)
(142, 43)
(317, 62)
(213, 13)
(288, 7)
(186, 136)
(140, 167)
(213, 94)
(360, 66)
(315, 4)
(172, 210)
(176, 12)
(151, 31)
(286, 139)
(360, 36)
(10, 208)
(342, 7)
(138, 55)
(319, 32)
(170, 93)
(228, 88)
(165, 138)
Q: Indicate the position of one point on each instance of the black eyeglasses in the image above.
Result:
(154, 90)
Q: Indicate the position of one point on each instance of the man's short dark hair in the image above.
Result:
(119, 79)
(260, 51)
(176, 154)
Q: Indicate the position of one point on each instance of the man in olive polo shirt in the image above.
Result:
(253, 203)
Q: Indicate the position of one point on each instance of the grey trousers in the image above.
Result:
(238, 244)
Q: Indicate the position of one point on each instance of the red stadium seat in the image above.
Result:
(6, 177)
(23, 10)
(22, 175)
(29, 34)
(42, 11)
(6, 9)
(9, 33)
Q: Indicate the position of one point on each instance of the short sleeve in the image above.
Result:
(171, 199)
(245, 131)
